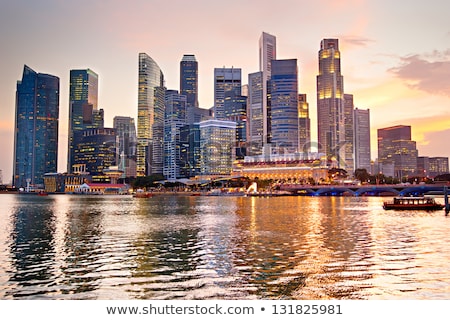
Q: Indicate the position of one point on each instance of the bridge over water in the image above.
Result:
(363, 190)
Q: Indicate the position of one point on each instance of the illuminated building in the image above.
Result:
(255, 120)
(36, 128)
(189, 80)
(150, 123)
(235, 109)
(126, 133)
(225, 79)
(304, 124)
(362, 139)
(190, 154)
(349, 164)
(330, 102)
(217, 146)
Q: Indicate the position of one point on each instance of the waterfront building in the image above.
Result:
(267, 53)
(225, 79)
(361, 131)
(330, 102)
(150, 123)
(255, 114)
(235, 108)
(127, 144)
(175, 119)
(396, 147)
(36, 128)
(438, 166)
(190, 154)
(83, 108)
(304, 124)
(283, 86)
(217, 147)
(189, 80)
(96, 149)
(349, 164)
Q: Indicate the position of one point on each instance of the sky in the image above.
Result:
(395, 55)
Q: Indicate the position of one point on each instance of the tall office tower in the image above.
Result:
(175, 119)
(330, 102)
(127, 144)
(283, 86)
(235, 108)
(190, 150)
(189, 80)
(267, 53)
(304, 124)
(225, 79)
(396, 147)
(83, 107)
(150, 117)
(97, 149)
(36, 128)
(361, 122)
(255, 114)
(217, 141)
(349, 134)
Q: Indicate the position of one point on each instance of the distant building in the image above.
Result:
(432, 166)
(255, 114)
(235, 109)
(36, 128)
(396, 147)
(127, 147)
(349, 165)
(361, 146)
(304, 124)
(217, 147)
(189, 80)
(225, 79)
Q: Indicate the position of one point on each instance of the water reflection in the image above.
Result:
(175, 247)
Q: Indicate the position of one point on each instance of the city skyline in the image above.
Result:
(394, 62)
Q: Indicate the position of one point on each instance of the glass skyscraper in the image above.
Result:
(349, 134)
(127, 144)
(36, 128)
(151, 106)
(255, 114)
(83, 108)
(189, 80)
(330, 102)
(362, 139)
(283, 86)
(225, 79)
(304, 124)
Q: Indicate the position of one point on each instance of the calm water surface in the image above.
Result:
(176, 247)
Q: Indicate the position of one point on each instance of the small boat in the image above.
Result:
(413, 203)
(142, 194)
(42, 193)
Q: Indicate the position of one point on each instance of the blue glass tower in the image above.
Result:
(36, 128)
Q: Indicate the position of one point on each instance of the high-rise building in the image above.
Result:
(349, 165)
(36, 128)
(283, 86)
(304, 124)
(127, 144)
(267, 53)
(175, 119)
(83, 107)
(396, 147)
(255, 114)
(150, 122)
(190, 153)
(330, 102)
(438, 166)
(217, 146)
(362, 139)
(225, 79)
(189, 80)
(235, 108)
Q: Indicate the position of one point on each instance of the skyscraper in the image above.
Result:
(83, 107)
(255, 114)
(396, 147)
(225, 79)
(304, 124)
(267, 53)
(283, 86)
(330, 102)
(362, 139)
(150, 117)
(349, 165)
(36, 127)
(127, 144)
(189, 80)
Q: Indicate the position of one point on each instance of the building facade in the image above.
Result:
(150, 124)
(283, 86)
(396, 147)
(127, 144)
(304, 124)
(36, 128)
(190, 153)
(217, 147)
(83, 108)
(225, 79)
(362, 146)
(349, 164)
(189, 80)
(255, 114)
(330, 102)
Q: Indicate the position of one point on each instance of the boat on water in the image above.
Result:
(413, 203)
(42, 193)
(142, 194)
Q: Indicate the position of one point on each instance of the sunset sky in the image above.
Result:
(395, 55)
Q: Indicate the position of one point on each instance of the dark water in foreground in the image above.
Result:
(176, 247)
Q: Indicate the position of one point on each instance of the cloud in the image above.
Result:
(429, 73)
(357, 41)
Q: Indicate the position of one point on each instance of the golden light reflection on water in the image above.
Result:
(176, 247)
